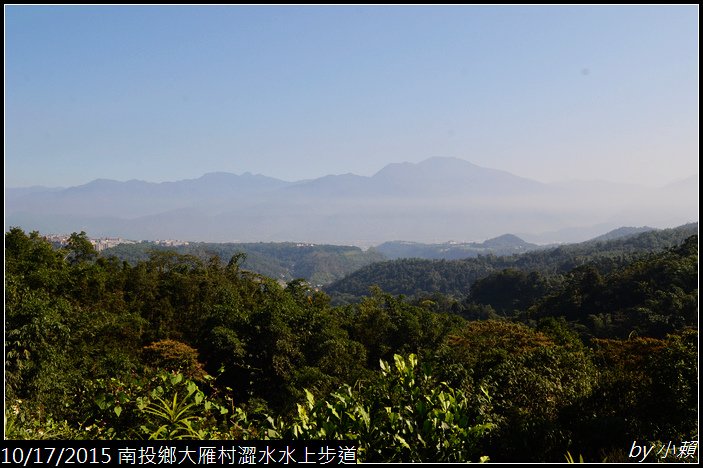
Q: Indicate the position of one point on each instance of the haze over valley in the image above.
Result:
(436, 200)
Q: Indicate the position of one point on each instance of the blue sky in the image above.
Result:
(167, 93)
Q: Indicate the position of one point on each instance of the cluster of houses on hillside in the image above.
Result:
(102, 243)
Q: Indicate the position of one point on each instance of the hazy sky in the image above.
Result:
(167, 93)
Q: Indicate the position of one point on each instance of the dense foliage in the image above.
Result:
(178, 346)
(651, 296)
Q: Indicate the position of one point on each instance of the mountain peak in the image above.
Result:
(452, 177)
(445, 160)
(437, 166)
(506, 240)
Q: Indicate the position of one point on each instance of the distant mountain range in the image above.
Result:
(431, 201)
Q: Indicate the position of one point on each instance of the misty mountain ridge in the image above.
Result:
(623, 232)
(439, 198)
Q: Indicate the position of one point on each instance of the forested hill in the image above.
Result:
(623, 232)
(318, 264)
(414, 277)
(506, 244)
